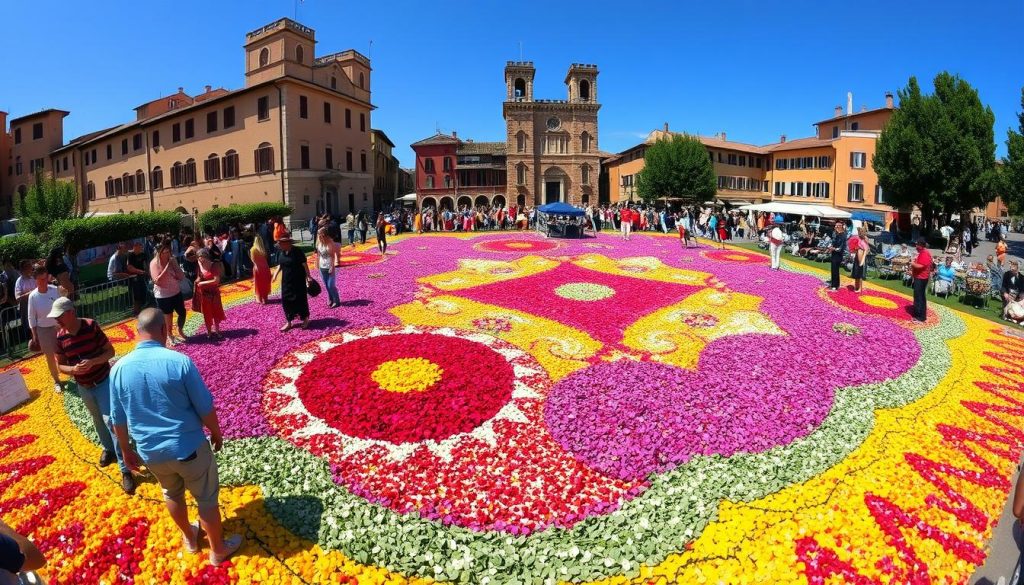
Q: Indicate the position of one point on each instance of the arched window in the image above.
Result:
(430, 182)
(129, 183)
(156, 179)
(520, 89)
(585, 142)
(118, 187)
(362, 80)
(211, 168)
(585, 90)
(190, 171)
(230, 165)
(428, 165)
(521, 141)
(299, 54)
(108, 187)
(264, 57)
(177, 175)
(334, 82)
(585, 172)
(520, 174)
(264, 156)
(140, 181)
(90, 191)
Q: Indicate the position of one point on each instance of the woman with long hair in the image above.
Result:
(167, 277)
(860, 258)
(327, 252)
(260, 270)
(208, 291)
(382, 234)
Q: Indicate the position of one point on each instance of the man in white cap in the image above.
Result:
(84, 353)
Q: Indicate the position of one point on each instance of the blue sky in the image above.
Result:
(754, 70)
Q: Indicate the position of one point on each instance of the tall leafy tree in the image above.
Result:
(938, 151)
(47, 201)
(677, 167)
(1013, 164)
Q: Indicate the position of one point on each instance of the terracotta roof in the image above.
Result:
(809, 142)
(482, 148)
(383, 136)
(437, 139)
(84, 138)
(37, 114)
(712, 141)
(854, 115)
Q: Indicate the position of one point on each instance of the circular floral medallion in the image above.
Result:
(406, 414)
(876, 302)
(735, 256)
(584, 291)
(516, 246)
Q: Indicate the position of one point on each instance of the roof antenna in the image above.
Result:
(370, 55)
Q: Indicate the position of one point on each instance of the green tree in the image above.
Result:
(677, 167)
(938, 151)
(1013, 164)
(47, 200)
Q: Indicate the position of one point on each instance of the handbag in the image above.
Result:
(186, 289)
(197, 302)
(312, 287)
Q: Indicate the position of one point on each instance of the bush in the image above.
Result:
(231, 215)
(20, 247)
(87, 232)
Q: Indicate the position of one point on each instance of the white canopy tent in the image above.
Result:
(799, 209)
(408, 197)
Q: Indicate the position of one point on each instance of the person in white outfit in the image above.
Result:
(775, 241)
(42, 326)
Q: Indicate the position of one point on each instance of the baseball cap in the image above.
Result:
(61, 306)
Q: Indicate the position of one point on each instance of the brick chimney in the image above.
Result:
(723, 136)
(888, 100)
(666, 127)
(455, 135)
(782, 138)
(839, 111)
(208, 88)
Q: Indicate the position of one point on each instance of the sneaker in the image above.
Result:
(231, 546)
(128, 483)
(107, 458)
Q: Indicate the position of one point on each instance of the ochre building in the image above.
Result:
(831, 168)
(298, 132)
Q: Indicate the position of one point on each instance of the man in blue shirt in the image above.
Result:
(158, 397)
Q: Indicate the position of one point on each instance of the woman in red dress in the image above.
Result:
(260, 270)
(208, 291)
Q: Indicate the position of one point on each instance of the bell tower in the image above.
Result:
(581, 81)
(519, 81)
(283, 47)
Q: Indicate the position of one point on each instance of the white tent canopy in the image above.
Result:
(799, 209)
(408, 197)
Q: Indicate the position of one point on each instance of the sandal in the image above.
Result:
(305, 324)
(287, 327)
(192, 546)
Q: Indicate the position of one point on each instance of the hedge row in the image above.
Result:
(85, 232)
(20, 247)
(222, 217)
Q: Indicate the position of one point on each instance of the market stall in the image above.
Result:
(561, 220)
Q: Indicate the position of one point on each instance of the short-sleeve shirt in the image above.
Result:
(924, 258)
(159, 394)
(11, 557)
(86, 344)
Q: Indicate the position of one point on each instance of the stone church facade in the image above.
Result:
(551, 145)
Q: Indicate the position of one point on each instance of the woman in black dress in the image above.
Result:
(292, 264)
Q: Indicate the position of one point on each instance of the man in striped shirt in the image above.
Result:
(84, 353)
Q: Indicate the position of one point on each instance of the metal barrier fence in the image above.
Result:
(104, 303)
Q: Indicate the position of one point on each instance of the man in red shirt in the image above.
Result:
(921, 269)
(626, 221)
(84, 352)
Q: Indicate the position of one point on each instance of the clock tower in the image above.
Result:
(551, 145)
